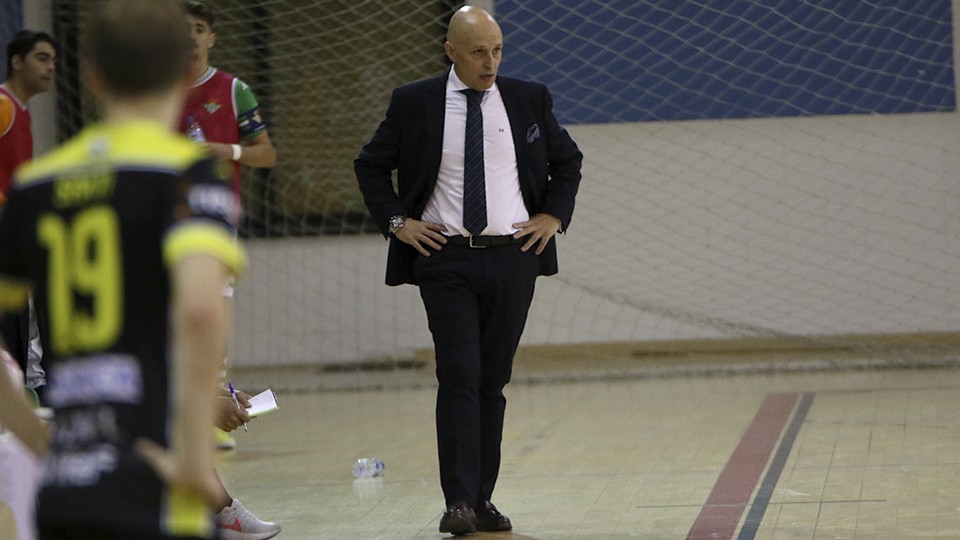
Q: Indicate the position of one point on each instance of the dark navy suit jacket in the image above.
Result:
(410, 140)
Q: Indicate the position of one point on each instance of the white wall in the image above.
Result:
(692, 229)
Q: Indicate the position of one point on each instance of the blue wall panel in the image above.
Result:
(625, 60)
(11, 21)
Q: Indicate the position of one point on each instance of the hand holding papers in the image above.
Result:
(263, 403)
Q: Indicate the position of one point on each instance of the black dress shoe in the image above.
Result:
(458, 519)
(490, 519)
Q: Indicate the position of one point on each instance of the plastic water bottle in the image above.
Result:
(194, 131)
(367, 468)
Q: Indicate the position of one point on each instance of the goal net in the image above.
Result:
(766, 174)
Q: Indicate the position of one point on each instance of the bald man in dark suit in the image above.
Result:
(486, 178)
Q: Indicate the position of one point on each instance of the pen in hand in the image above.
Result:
(233, 394)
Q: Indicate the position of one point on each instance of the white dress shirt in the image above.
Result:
(501, 179)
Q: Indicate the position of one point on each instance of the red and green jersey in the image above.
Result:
(225, 109)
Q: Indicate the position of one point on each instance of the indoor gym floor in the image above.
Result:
(616, 447)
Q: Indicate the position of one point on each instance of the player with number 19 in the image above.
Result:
(125, 237)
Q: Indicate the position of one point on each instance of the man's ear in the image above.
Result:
(92, 79)
(448, 48)
(16, 63)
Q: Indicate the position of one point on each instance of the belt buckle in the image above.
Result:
(471, 244)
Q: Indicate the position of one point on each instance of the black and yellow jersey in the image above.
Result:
(92, 229)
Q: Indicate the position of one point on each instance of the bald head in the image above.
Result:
(474, 45)
(466, 18)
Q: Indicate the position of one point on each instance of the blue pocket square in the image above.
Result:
(533, 133)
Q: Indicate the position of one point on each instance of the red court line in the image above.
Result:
(731, 493)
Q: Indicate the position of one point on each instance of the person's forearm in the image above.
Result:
(201, 320)
(18, 416)
(376, 186)
(195, 391)
(259, 155)
(257, 152)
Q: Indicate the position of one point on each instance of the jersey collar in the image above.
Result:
(205, 76)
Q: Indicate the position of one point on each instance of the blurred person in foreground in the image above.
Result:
(124, 235)
(486, 178)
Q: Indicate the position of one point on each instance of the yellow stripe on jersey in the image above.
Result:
(186, 514)
(13, 294)
(102, 147)
(196, 238)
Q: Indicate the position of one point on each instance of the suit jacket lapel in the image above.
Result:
(515, 112)
(435, 110)
(518, 116)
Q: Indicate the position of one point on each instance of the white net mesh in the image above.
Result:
(784, 170)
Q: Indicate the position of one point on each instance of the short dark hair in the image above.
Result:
(139, 47)
(23, 42)
(200, 11)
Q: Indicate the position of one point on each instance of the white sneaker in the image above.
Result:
(237, 523)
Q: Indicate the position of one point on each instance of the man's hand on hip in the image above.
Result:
(419, 233)
(540, 228)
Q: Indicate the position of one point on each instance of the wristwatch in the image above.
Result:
(396, 223)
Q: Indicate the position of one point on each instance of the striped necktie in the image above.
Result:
(474, 189)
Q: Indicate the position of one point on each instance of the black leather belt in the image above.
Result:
(483, 241)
